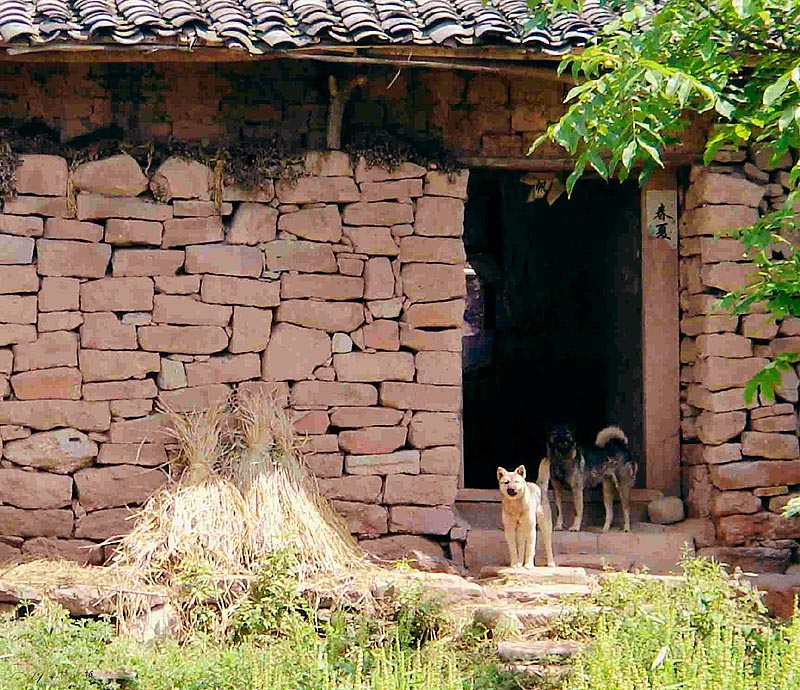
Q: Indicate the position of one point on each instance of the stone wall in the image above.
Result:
(344, 290)
(470, 113)
(741, 463)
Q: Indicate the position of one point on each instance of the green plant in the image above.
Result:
(418, 615)
(274, 606)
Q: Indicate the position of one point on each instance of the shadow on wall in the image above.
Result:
(553, 319)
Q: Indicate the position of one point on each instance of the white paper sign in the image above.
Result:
(661, 209)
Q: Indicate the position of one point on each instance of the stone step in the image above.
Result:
(537, 576)
(520, 617)
(540, 650)
(523, 593)
(659, 551)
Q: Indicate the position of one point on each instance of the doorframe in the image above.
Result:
(660, 350)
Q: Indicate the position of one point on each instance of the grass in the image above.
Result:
(707, 631)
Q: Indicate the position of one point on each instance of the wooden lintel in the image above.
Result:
(672, 160)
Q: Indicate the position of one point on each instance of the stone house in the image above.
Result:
(122, 283)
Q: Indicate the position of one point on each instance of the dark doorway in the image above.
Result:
(553, 321)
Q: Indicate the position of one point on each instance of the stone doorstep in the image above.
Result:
(659, 552)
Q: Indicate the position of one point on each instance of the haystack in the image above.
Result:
(282, 500)
(197, 521)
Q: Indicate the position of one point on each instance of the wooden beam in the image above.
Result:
(672, 160)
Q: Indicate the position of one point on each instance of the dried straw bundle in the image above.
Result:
(283, 503)
(199, 520)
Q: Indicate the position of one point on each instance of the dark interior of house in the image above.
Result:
(553, 318)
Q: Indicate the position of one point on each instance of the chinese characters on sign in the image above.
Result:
(661, 208)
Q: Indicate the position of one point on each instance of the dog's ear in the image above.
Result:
(500, 472)
(520, 471)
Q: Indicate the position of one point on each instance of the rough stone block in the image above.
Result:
(716, 428)
(117, 294)
(318, 224)
(435, 315)
(40, 174)
(363, 519)
(741, 529)
(124, 232)
(325, 393)
(378, 279)
(67, 229)
(55, 207)
(262, 193)
(19, 522)
(325, 316)
(300, 255)
(59, 321)
(439, 217)
(120, 390)
(115, 486)
(196, 340)
(226, 369)
(728, 276)
(378, 366)
(18, 279)
(380, 213)
(443, 368)
(399, 190)
(112, 365)
(253, 224)
(118, 175)
(368, 173)
(47, 414)
(418, 396)
(371, 441)
(748, 475)
(179, 232)
(718, 373)
(314, 423)
(181, 178)
(293, 352)
(92, 206)
(770, 445)
(417, 339)
(224, 260)
(432, 282)
(22, 226)
(357, 417)
(786, 422)
(759, 326)
(325, 287)
(11, 334)
(382, 334)
(145, 454)
(327, 465)
(714, 188)
(447, 184)
(365, 489)
(195, 399)
(373, 241)
(104, 524)
(724, 345)
(62, 451)
(438, 250)
(61, 383)
(69, 258)
(410, 520)
(16, 250)
(177, 285)
(17, 309)
(103, 331)
(709, 220)
(59, 294)
(718, 455)
(56, 349)
(403, 461)
(251, 329)
(244, 291)
(425, 489)
(444, 460)
(184, 310)
(312, 190)
(434, 429)
(734, 502)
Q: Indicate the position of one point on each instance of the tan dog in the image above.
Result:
(524, 506)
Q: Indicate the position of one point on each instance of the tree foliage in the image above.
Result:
(658, 69)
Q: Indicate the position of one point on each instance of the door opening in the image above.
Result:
(553, 319)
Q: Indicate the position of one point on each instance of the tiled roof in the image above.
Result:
(258, 26)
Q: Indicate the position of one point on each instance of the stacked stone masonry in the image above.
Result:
(343, 291)
(740, 461)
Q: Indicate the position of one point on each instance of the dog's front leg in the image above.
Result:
(510, 529)
(577, 498)
(527, 545)
(558, 496)
(546, 528)
(608, 503)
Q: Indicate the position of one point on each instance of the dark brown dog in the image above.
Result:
(609, 462)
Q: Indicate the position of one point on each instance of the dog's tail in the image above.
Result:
(609, 434)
